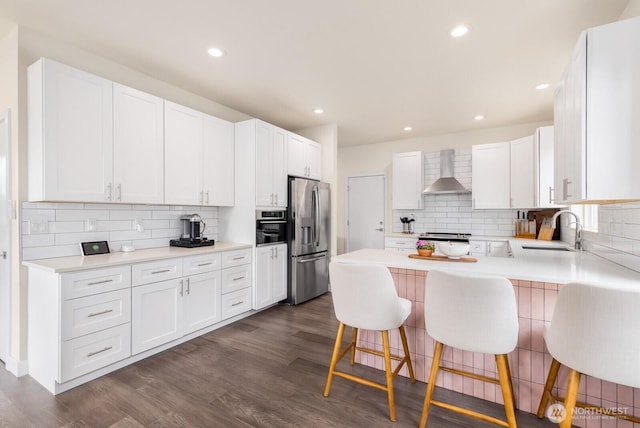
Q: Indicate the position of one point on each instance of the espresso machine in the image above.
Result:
(191, 233)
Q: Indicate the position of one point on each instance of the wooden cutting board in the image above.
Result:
(443, 258)
(546, 232)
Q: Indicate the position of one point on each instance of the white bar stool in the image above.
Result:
(477, 314)
(593, 331)
(365, 297)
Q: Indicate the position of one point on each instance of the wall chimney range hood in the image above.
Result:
(446, 183)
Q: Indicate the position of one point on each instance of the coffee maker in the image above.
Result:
(191, 232)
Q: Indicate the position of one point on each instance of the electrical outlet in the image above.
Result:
(37, 226)
(90, 225)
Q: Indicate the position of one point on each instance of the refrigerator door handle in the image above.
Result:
(316, 216)
(313, 259)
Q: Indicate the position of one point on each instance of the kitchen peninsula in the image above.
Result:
(536, 275)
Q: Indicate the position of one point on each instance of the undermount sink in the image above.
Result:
(546, 247)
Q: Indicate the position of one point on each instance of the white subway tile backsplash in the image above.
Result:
(66, 226)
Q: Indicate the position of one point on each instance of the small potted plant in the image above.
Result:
(424, 248)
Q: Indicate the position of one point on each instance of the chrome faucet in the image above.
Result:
(578, 238)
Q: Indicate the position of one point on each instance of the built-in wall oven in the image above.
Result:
(271, 227)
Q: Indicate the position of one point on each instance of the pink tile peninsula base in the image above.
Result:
(529, 362)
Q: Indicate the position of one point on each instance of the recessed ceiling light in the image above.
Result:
(459, 31)
(318, 110)
(478, 117)
(407, 128)
(215, 52)
(542, 86)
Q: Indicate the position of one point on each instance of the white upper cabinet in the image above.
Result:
(596, 111)
(407, 180)
(218, 162)
(182, 155)
(138, 146)
(522, 185)
(304, 157)
(70, 134)
(270, 164)
(198, 157)
(543, 169)
(490, 176)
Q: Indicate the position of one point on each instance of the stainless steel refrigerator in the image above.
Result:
(308, 236)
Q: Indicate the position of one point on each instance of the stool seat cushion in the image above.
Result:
(594, 330)
(471, 312)
(364, 296)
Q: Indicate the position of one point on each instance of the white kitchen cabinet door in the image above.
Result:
(271, 275)
(201, 301)
(156, 314)
(271, 165)
(70, 134)
(543, 168)
(182, 155)
(490, 174)
(407, 180)
(522, 161)
(279, 172)
(218, 162)
(138, 146)
(304, 157)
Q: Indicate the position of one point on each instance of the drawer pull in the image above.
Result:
(105, 349)
(238, 278)
(95, 314)
(100, 282)
(238, 258)
(205, 264)
(237, 303)
(160, 271)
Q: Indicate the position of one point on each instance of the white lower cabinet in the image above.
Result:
(156, 316)
(271, 275)
(402, 245)
(88, 322)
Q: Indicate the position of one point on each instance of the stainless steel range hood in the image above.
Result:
(446, 183)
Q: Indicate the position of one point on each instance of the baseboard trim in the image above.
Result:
(17, 368)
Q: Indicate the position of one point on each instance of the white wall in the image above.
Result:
(376, 159)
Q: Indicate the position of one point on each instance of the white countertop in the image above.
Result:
(74, 263)
(533, 265)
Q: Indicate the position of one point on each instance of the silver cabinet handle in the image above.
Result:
(205, 264)
(100, 282)
(95, 314)
(380, 229)
(105, 349)
(182, 287)
(108, 192)
(160, 271)
(238, 258)
(207, 193)
(238, 278)
(551, 198)
(188, 286)
(119, 192)
(237, 303)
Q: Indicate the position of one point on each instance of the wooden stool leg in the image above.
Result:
(506, 360)
(407, 356)
(570, 400)
(354, 339)
(507, 392)
(433, 374)
(334, 359)
(548, 386)
(389, 374)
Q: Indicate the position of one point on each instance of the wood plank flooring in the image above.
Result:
(267, 370)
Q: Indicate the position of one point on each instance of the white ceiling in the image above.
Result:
(375, 66)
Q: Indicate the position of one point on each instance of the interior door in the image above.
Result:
(5, 232)
(365, 212)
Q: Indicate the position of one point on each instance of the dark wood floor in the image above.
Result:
(267, 370)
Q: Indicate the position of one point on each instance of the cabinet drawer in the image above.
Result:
(236, 258)
(236, 302)
(478, 248)
(94, 313)
(201, 264)
(236, 278)
(88, 353)
(400, 243)
(146, 273)
(94, 281)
